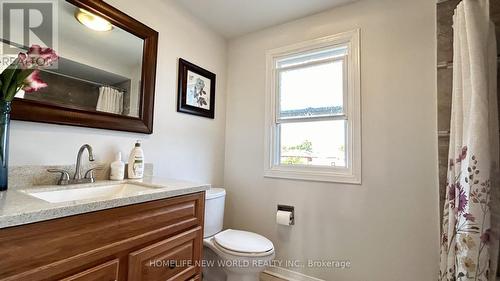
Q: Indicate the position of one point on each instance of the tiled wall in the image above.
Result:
(445, 9)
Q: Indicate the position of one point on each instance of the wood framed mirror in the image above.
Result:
(120, 64)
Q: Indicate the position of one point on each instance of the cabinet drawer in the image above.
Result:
(104, 272)
(174, 258)
(49, 250)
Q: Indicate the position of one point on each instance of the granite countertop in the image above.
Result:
(18, 208)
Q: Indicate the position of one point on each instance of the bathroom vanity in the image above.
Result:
(145, 230)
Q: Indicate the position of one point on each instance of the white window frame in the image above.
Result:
(352, 114)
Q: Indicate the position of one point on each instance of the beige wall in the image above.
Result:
(182, 146)
(387, 227)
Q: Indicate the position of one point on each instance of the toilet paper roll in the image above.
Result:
(284, 218)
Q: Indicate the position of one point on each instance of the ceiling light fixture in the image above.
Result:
(92, 21)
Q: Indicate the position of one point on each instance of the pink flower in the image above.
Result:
(452, 191)
(34, 50)
(456, 195)
(486, 236)
(43, 57)
(469, 217)
(444, 239)
(33, 83)
(462, 155)
(24, 61)
(37, 57)
(462, 200)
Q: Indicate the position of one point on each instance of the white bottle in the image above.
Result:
(136, 162)
(117, 168)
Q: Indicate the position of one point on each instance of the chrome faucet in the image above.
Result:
(77, 177)
(78, 172)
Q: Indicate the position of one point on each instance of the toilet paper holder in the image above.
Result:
(290, 209)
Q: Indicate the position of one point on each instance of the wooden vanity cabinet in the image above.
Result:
(153, 241)
(105, 272)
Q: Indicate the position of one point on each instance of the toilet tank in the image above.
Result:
(214, 211)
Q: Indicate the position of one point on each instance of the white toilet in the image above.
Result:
(231, 255)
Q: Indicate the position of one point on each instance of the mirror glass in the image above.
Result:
(97, 71)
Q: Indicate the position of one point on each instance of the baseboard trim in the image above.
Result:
(289, 275)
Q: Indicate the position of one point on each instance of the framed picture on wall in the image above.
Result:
(196, 90)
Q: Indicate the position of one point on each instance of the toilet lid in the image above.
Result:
(243, 241)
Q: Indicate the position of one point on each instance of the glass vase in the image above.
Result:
(5, 107)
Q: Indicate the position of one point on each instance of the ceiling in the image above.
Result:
(232, 18)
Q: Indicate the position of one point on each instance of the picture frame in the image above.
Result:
(196, 90)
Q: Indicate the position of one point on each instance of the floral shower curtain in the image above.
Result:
(469, 244)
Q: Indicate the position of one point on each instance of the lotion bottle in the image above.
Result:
(136, 162)
(117, 168)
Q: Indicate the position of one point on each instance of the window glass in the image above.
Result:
(311, 91)
(318, 143)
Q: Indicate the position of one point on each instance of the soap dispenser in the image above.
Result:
(117, 168)
(136, 162)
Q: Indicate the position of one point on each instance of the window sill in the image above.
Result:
(313, 175)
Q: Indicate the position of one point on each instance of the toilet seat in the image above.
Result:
(243, 243)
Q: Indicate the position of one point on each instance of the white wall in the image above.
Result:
(388, 227)
(182, 146)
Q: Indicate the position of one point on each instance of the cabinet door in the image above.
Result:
(104, 272)
(174, 259)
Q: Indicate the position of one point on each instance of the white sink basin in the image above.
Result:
(75, 194)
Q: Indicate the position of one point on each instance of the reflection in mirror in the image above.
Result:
(98, 71)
